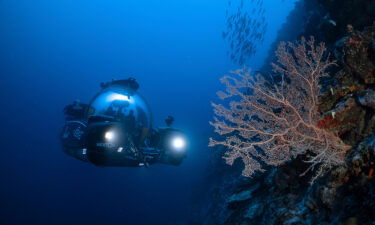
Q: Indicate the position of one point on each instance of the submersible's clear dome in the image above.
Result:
(119, 103)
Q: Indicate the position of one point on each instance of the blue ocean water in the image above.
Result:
(55, 51)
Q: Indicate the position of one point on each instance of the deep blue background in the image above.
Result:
(54, 51)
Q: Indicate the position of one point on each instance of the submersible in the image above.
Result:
(115, 129)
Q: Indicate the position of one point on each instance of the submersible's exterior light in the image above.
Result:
(109, 135)
(178, 143)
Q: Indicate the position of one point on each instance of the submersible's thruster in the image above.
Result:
(115, 129)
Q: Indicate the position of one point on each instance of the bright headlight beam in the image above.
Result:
(178, 142)
(109, 135)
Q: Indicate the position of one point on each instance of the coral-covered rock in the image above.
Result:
(255, 210)
(347, 194)
(242, 195)
(346, 119)
(368, 98)
(355, 52)
(327, 196)
(335, 88)
(347, 100)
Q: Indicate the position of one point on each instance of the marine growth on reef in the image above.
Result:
(273, 122)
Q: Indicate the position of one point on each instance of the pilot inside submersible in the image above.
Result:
(115, 129)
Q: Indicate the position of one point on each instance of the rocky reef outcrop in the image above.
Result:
(346, 195)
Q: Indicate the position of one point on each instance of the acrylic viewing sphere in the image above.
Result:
(117, 103)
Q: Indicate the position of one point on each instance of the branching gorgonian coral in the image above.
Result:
(271, 122)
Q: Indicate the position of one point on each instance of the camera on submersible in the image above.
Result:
(115, 129)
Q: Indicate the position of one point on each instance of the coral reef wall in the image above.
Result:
(347, 106)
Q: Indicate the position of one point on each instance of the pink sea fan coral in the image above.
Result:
(273, 122)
